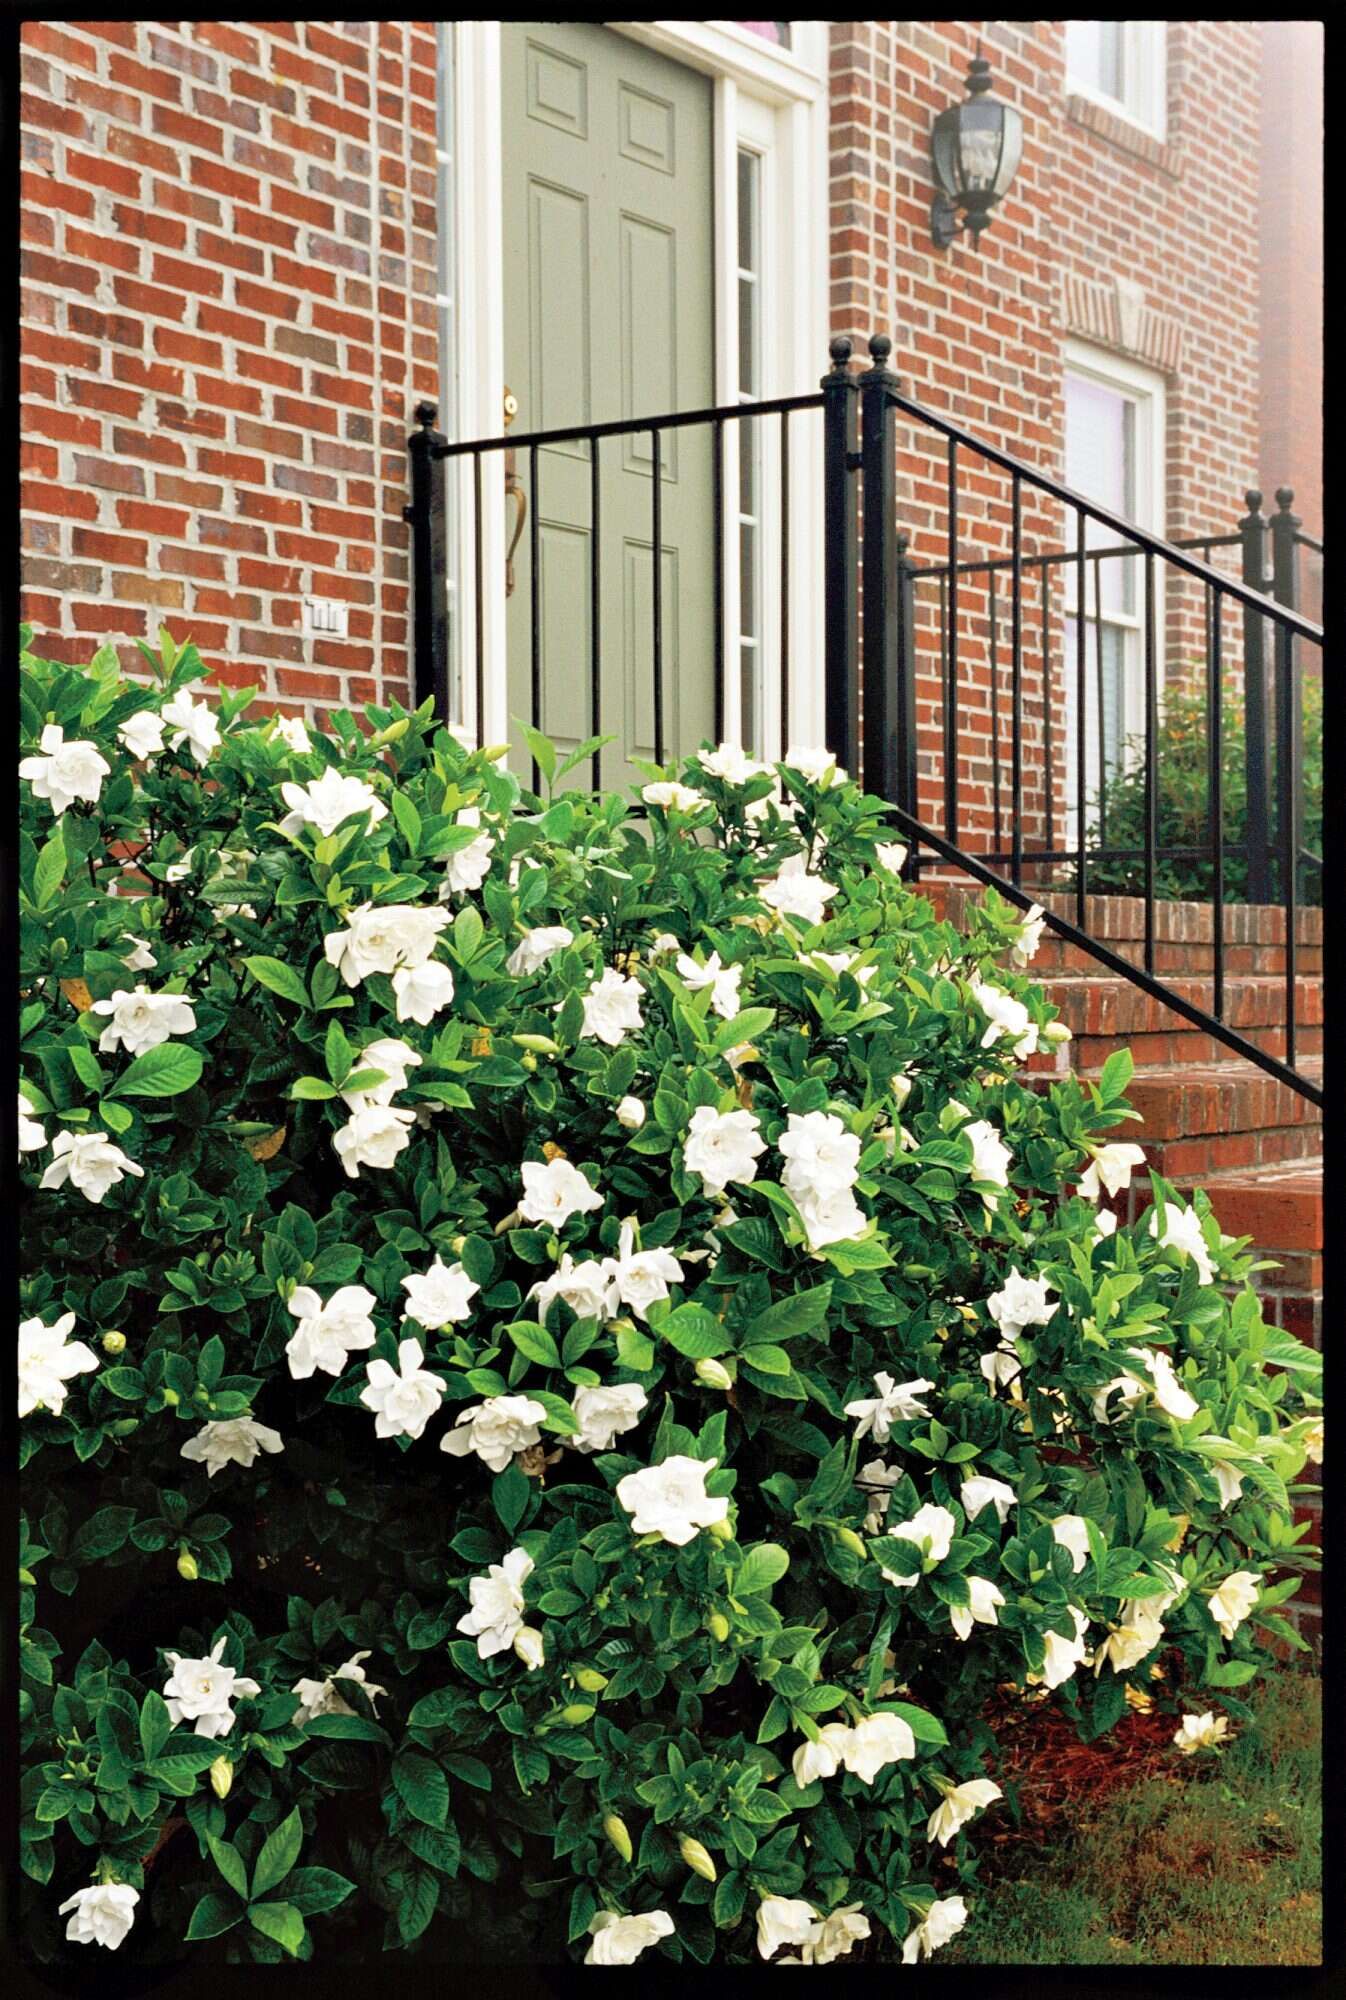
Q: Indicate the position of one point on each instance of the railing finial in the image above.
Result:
(1254, 500)
(427, 414)
(1285, 496)
(880, 347)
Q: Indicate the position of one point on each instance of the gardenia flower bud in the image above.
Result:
(616, 1831)
(113, 1342)
(720, 1531)
(713, 1373)
(696, 1857)
(719, 1626)
(631, 1114)
(221, 1777)
(577, 1711)
(187, 1568)
(589, 1679)
(850, 1540)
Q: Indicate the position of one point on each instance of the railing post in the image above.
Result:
(1289, 704)
(1252, 531)
(882, 611)
(841, 559)
(428, 517)
(905, 756)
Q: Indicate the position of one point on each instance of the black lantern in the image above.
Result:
(976, 147)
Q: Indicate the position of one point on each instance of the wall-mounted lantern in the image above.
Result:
(975, 147)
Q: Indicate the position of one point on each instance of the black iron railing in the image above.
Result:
(875, 678)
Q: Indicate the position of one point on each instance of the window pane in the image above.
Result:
(749, 176)
(750, 699)
(1104, 656)
(1094, 56)
(1100, 464)
(770, 31)
(747, 338)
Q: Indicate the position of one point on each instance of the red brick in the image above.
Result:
(109, 474)
(101, 172)
(110, 548)
(161, 229)
(58, 272)
(151, 519)
(193, 277)
(152, 445)
(149, 299)
(188, 131)
(108, 618)
(37, 497)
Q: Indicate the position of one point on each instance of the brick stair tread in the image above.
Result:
(1281, 1208)
(1189, 1099)
(1106, 1003)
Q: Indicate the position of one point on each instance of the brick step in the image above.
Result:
(1105, 1012)
(1281, 1209)
(1223, 1117)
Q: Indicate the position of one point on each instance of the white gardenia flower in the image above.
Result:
(984, 1599)
(530, 1646)
(960, 1804)
(828, 1217)
(979, 1492)
(1105, 1224)
(327, 1335)
(373, 1137)
(102, 1914)
(439, 1296)
(723, 1146)
(942, 1921)
(47, 1359)
(231, 1441)
(822, 1759)
(535, 947)
(991, 1157)
(193, 723)
(612, 1008)
(1135, 1635)
(1062, 1656)
(141, 1020)
(65, 771)
(1169, 1393)
(200, 1691)
(89, 1162)
(394, 1058)
(1000, 1366)
(876, 1481)
(730, 764)
(670, 1499)
(662, 944)
(670, 794)
(642, 1276)
(496, 1430)
(896, 1403)
(932, 1529)
(1234, 1599)
(1110, 1167)
(325, 802)
(469, 867)
(422, 991)
(325, 1697)
(497, 1604)
(890, 855)
(1007, 1018)
(32, 1136)
(793, 892)
(142, 734)
(383, 937)
(1182, 1231)
(818, 766)
(555, 1191)
(1129, 1389)
(821, 1153)
(139, 958)
(631, 1114)
(1201, 1732)
(404, 1398)
(1020, 1302)
(586, 1288)
(723, 981)
(785, 1920)
(1229, 1483)
(1070, 1531)
(620, 1940)
(603, 1414)
(1024, 945)
(835, 1935)
(838, 962)
(875, 1741)
(1312, 1440)
(292, 734)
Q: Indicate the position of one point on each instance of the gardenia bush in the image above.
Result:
(560, 1364)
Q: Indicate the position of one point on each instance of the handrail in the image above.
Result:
(1145, 543)
(628, 426)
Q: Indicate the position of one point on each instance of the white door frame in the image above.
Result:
(788, 89)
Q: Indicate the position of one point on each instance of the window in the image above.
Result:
(446, 308)
(770, 31)
(1114, 455)
(1120, 64)
(749, 207)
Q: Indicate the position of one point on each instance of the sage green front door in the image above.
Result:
(609, 314)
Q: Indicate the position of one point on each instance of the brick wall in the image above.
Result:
(227, 262)
(980, 333)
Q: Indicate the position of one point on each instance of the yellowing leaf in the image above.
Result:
(267, 1147)
(78, 994)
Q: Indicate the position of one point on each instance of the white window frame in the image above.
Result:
(1147, 392)
(1144, 78)
(776, 98)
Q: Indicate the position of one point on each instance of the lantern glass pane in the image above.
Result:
(1011, 150)
(944, 149)
(980, 146)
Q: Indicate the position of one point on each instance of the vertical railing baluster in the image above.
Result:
(535, 600)
(1151, 758)
(784, 581)
(1252, 530)
(1047, 712)
(595, 613)
(841, 560)
(720, 559)
(657, 581)
(1102, 705)
(951, 683)
(1289, 749)
(995, 715)
(1287, 819)
(1215, 789)
(1081, 733)
(1016, 680)
(478, 600)
(944, 685)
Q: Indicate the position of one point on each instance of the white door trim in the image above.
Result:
(791, 84)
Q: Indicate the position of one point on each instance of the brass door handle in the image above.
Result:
(514, 491)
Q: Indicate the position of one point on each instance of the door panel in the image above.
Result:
(609, 313)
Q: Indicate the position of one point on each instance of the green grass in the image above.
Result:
(1217, 1863)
